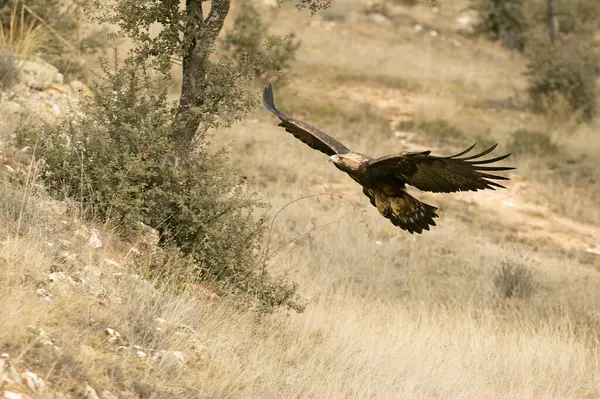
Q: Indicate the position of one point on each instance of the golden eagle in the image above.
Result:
(384, 179)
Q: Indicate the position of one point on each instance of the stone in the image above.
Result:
(10, 108)
(33, 381)
(95, 241)
(380, 19)
(89, 392)
(77, 86)
(8, 374)
(12, 395)
(150, 236)
(37, 74)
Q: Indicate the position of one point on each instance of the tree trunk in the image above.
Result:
(199, 36)
(552, 20)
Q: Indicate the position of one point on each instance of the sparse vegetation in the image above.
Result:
(21, 37)
(524, 141)
(514, 281)
(61, 28)
(569, 71)
(503, 20)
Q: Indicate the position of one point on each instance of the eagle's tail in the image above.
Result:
(269, 100)
(403, 210)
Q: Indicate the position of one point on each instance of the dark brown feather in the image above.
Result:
(403, 210)
(306, 133)
(441, 174)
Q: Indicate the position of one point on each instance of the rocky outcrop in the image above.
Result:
(38, 74)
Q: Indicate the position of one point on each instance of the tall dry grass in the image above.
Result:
(22, 38)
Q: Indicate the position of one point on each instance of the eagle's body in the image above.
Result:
(384, 179)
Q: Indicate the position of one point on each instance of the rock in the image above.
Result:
(108, 395)
(8, 374)
(33, 382)
(165, 355)
(434, 33)
(10, 108)
(61, 282)
(179, 356)
(45, 295)
(60, 78)
(90, 278)
(77, 86)
(94, 240)
(114, 335)
(89, 392)
(418, 27)
(271, 3)
(12, 395)
(380, 19)
(150, 236)
(37, 74)
(464, 20)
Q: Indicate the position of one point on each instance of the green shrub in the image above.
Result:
(70, 37)
(514, 281)
(578, 16)
(568, 71)
(249, 41)
(110, 157)
(9, 71)
(502, 20)
(527, 141)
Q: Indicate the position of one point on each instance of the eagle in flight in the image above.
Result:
(384, 179)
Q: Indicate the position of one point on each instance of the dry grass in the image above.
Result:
(389, 314)
(362, 335)
(21, 38)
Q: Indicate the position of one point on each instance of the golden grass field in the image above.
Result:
(389, 314)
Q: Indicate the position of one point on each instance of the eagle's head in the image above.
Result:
(348, 162)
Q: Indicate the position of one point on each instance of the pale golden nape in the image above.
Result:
(351, 161)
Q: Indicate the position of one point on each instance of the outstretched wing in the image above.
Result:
(308, 134)
(441, 174)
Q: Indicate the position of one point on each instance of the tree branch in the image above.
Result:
(216, 17)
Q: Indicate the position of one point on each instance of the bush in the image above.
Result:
(514, 281)
(527, 141)
(68, 37)
(9, 71)
(248, 41)
(502, 20)
(579, 16)
(110, 157)
(566, 70)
